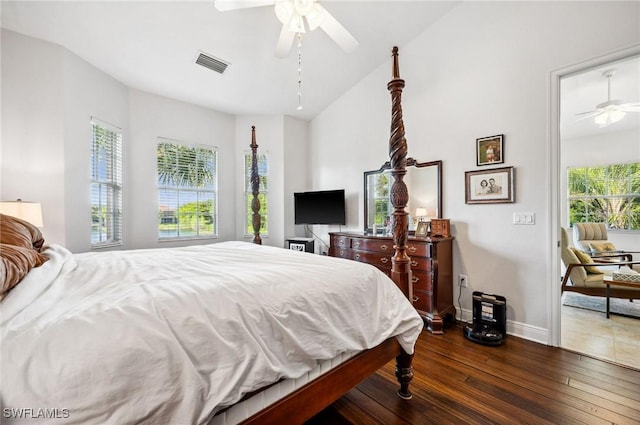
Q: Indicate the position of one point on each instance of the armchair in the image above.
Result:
(592, 238)
(577, 279)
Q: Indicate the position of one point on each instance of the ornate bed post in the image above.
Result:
(255, 189)
(400, 262)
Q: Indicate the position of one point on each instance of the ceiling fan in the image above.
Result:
(297, 16)
(611, 111)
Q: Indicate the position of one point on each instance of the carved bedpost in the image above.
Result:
(255, 189)
(400, 262)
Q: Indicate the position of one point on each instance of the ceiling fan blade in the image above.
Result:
(284, 42)
(630, 107)
(335, 30)
(224, 5)
(588, 113)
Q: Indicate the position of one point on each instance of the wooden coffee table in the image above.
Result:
(608, 280)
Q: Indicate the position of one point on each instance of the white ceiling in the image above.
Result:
(151, 46)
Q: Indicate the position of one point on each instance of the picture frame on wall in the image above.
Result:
(490, 186)
(490, 150)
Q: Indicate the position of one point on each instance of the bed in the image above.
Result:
(221, 333)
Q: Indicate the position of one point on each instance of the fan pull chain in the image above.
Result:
(299, 36)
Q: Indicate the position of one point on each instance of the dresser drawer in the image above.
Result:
(420, 263)
(419, 249)
(380, 260)
(373, 245)
(339, 252)
(421, 280)
(340, 241)
(422, 300)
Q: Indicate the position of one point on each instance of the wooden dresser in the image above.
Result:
(434, 304)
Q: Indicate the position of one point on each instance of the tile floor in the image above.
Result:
(589, 332)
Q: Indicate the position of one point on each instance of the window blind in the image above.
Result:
(106, 184)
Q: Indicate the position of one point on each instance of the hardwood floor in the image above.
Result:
(521, 382)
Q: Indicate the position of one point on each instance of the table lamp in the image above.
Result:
(24, 210)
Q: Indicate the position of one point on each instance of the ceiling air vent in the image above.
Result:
(215, 64)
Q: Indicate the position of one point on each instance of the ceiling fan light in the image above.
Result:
(303, 7)
(609, 117)
(296, 24)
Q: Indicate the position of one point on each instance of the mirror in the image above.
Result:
(424, 182)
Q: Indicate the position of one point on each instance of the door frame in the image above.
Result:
(553, 158)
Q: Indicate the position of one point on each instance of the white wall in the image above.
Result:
(284, 140)
(88, 92)
(32, 162)
(154, 116)
(613, 148)
(46, 132)
(483, 69)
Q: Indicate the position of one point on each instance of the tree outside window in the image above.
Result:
(608, 194)
(187, 195)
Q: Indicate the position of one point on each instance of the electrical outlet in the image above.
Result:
(462, 280)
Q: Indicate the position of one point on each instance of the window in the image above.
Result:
(609, 194)
(381, 187)
(263, 170)
(187, 190)
(106, 184)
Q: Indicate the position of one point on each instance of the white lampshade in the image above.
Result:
(24, 210)
(421, 212)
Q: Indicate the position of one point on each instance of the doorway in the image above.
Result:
(578, 139)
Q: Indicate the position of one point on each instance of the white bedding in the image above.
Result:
(170, 336)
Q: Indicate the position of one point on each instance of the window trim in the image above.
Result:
(214, 191)
(586, 197)
(116, 186)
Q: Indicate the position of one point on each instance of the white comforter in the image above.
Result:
(170, 336)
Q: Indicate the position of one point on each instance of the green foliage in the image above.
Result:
(186, 166)
(609, 194)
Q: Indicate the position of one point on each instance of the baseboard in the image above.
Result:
(521, 330)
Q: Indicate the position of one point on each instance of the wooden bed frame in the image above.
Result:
(311, 398)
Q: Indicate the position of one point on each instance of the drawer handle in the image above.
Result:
(384, 247)
(342, 252)
(357, 256)
(357, 244)
(415, 279)
(413, 249)
(415, 299)
(341, 242)
(385, 260)
(414, 263)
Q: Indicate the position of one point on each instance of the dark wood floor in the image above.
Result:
(521, 382)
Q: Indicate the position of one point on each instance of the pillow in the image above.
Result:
(14, 231)
(602, 247)
(585, 259)
(16, 262)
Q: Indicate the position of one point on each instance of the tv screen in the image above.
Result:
(321, 207)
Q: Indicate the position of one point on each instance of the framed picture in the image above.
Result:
(421, 228)
(489, 150)
(490, 186)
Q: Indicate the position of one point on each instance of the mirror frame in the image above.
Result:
(411, 162)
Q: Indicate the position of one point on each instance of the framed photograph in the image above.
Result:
(490, 186)
(422, 228)
(489, 150)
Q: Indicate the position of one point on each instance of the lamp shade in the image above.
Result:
(24, 210)
(421, 212)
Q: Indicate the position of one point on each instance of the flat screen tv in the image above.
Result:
(320, 207)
